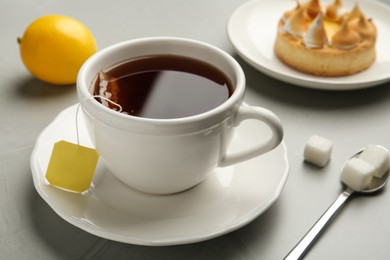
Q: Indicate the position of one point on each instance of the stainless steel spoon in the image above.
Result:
(305, 243)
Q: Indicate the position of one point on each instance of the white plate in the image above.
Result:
(252, 30)
(230, 198)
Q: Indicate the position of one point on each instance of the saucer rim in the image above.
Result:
(90, 228)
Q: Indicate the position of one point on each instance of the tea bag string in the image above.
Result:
(88, 99)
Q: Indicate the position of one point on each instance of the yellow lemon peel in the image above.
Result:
(54, 47)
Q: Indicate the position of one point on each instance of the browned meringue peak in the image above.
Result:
(355, 13)
(288, 14)
(315, 36)
(333, 11)
(365, 29)
(313, 8)
(296, 25)
(345, 38)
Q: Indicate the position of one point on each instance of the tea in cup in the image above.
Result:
(162, 111)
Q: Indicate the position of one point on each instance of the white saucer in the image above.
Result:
(252, 30)
(229, 199)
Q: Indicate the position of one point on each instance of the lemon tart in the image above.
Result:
(326, 40)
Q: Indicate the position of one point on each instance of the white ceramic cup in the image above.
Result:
(164, 156)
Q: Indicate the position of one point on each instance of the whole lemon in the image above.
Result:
(54, 47)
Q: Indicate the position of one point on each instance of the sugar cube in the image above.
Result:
(357, 174)
(318, 150)
(377, 157)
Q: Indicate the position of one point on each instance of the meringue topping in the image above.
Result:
(296, 25)
(365, 29)
(345, 38)
(315, 37)
(355, 13)
(313, 8)
(288, 14)
(333, 11)
(332, 26)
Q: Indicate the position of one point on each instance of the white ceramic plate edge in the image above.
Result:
(282, 72)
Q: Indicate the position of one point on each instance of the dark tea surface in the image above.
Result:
(163, 86)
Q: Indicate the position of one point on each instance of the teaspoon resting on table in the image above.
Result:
(376, 184)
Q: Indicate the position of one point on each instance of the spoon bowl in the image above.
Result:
(377, 184)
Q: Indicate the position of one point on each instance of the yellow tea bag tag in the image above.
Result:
(71, 166)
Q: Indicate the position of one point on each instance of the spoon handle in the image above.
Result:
(304, 244)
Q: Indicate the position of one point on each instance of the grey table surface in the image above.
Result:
(30, 229)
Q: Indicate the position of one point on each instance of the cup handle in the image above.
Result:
(266, 116)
